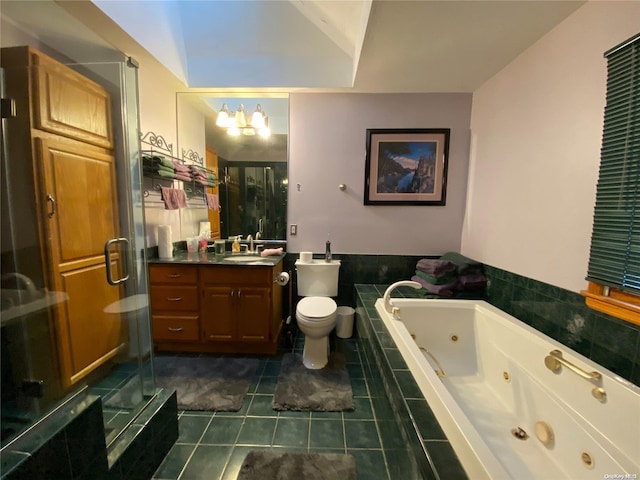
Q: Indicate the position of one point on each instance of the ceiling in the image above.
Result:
(369, 46)
(301, 45)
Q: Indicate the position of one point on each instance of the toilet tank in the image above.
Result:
(317, 278)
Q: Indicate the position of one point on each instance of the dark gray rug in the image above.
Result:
(324, 390)
(260, 465)
(201, 383)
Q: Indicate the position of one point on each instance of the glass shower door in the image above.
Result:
(75, 317)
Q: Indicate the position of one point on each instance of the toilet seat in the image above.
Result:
(316, 308)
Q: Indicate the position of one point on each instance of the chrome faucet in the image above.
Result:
(388, 306)
(250, 240)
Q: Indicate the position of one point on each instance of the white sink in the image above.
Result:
(247, 259)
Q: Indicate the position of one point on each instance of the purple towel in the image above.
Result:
(435, 267)
(180, 167)
(173, 198)
(442, 290)
(471, 281)
(212, 201)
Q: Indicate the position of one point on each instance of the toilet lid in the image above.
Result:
(316, 307)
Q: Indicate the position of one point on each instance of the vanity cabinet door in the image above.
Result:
(217, 313)
(252, 314)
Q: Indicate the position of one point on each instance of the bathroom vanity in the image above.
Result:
(217, 304)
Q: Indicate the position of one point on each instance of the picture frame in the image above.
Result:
(406, 166)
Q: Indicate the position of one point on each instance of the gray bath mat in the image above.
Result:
(259, 465)
(201, 383)
(324, 390)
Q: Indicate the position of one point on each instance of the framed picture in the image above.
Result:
(406, 166)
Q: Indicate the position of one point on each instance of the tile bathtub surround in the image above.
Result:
(432, 452)
(213, 445)
(563, 316)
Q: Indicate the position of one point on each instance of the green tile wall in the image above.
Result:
(558, 313)
(563, 316)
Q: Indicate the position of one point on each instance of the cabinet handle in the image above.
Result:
(239, 292)
(52, 202)
(174, 275)
(174, 299)
(171, 329)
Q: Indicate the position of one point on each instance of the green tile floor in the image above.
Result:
(213, 445)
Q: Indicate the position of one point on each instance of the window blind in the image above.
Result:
(614, 258)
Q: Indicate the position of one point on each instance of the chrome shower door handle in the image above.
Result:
(125, 256)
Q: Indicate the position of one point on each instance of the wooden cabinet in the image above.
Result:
(60, 151)
(174, 303)
(237, 309)
(236, 304)
(214, 215)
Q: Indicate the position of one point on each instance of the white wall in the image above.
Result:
(536, 132)
(159, 114)
(327, 148)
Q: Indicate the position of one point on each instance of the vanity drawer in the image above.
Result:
(171, 298)
(169, 328)
(173, 274)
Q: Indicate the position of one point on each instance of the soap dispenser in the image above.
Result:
(327, 252)
(235, 247)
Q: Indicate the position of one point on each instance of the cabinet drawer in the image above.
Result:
(237, 275)
(173, 274)
(168, 328)
(171, 298)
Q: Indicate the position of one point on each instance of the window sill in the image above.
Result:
(617, 303)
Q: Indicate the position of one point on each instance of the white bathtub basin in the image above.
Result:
(496, 381)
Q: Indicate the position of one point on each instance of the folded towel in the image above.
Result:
(180, 167)
(463, 264)
(471, 281)
(183, 176)
(449, 277)
(442, 290)
(271, 251)
(157, 160)
(159, 171)
(173, 198)
(435, 267)
(213, 202)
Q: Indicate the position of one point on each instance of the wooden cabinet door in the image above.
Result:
(217, 314)
(69, 104)
(214, 215)
(252, 314)
(79, 210)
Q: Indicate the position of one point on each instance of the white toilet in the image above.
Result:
(317, 312)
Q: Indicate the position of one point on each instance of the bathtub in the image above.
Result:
(505, 413)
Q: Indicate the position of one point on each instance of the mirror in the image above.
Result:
(252, 169)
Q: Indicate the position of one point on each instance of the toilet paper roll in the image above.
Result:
(165, 242)
(282, 279)
(306, 257)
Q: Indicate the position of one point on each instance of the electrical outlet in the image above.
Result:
(293, 229)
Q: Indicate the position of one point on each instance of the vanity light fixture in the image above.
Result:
(236, 122)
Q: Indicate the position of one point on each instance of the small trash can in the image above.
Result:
(344, 326)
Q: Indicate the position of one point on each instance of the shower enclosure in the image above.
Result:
(253, 198)
(74, 309)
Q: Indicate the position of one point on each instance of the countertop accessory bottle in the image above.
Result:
(327, 252)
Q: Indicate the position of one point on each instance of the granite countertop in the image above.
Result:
(210, 258)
